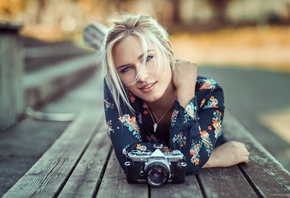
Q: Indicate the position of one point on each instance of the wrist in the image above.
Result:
(184, 94)
(212, 161)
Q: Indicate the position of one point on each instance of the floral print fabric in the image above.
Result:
(195, 129)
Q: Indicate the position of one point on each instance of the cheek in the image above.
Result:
(159, 68)
(165, 72)
(128, 78)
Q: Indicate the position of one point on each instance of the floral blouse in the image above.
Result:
(195, 130)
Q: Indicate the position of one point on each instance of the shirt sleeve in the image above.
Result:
(195, 129)
(123, 129)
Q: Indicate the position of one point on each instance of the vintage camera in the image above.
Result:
(156, 168)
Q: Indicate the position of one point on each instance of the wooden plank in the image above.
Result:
(114, 183)
(266, 175)
(51, 171)
(225, 182)
(88, 173)
(190, 188)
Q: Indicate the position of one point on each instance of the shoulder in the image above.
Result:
(205, 83)
(208, 89)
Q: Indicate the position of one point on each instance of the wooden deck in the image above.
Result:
(81, 163)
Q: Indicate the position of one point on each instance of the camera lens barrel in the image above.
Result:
(157, 173)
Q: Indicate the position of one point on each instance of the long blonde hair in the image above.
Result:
(148, 30)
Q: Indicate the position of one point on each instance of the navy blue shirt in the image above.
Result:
(195, 130)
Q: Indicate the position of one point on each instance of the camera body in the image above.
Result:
(156, 168)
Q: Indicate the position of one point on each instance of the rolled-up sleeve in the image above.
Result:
(123, 129)
(195, 129)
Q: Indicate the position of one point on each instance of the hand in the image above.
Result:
(184, 79)
(228, 154)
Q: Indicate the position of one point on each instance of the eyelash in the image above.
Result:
(129, 67)
(126, 69)
(149, 58)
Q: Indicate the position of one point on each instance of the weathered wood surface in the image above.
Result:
(91, 167)
(81, 163)
(51, 172)
(265, 174)
(190, 188)
(114, 183)
(225, 182)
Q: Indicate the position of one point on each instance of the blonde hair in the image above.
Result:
(148, 30)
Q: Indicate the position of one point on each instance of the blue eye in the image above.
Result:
(126, 69)
(149, 58)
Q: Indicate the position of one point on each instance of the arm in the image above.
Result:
(195, 128)
(184, 78)
(236, 152)
(123, 129)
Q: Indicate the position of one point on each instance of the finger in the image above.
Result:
(246, 155)
(240, 144)
(244, 159)
(245, 152)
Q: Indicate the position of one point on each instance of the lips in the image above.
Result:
(148, 87)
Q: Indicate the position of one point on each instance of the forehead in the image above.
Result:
(128, 50)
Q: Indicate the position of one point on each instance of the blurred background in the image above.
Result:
(243, 44)
(234, 32)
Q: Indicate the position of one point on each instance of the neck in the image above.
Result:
(159, 106)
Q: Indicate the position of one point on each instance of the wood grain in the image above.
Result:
(225, 182)
(89, 171)
(114, 183)
(188, 189)
(50, 172)
(265, 174)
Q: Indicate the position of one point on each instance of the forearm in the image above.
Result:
(184, 79)
(186, 136)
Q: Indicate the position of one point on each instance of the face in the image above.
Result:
(128, 58)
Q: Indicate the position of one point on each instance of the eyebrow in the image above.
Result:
(139, 58)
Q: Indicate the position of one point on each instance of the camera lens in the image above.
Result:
(157, 174)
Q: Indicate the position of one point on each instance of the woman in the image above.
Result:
(150, 97)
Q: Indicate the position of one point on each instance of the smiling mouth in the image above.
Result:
(147, 87)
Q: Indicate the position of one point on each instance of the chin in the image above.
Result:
(145, 96)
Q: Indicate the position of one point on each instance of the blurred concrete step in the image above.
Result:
(40, 54)
(54, 80)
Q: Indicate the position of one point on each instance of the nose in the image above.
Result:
(143, 74)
